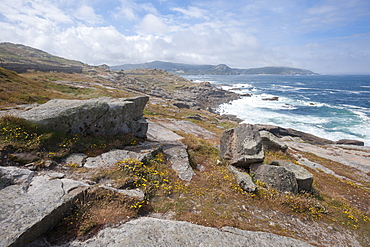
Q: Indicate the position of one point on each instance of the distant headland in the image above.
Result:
(221, 69)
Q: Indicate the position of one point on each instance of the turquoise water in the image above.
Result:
(332, 107)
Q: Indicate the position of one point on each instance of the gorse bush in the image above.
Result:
(20, 133)
(149, 176)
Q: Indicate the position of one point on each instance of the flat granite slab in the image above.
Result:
(156, 232)
(32, 205)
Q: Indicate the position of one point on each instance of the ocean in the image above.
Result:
(329, 106)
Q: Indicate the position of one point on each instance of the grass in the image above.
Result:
(37, 87)
(200, 151)
(96, 208)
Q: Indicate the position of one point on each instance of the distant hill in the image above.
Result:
(221, 69)
(276, 71)
(21, 58)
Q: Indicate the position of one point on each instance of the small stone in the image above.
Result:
(243, 179)
(58, 175)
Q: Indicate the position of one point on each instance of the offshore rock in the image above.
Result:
(33, 204)
(242, 145)
(152, 232)
(106, 116)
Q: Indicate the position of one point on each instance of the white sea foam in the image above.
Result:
(254, 110)
(298, 107)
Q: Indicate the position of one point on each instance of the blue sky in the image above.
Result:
(326, 36)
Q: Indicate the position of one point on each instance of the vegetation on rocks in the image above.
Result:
(19, 136)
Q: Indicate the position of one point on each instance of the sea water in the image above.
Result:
(329, 106)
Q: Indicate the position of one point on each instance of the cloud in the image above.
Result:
(87, 14)
(131, 10)
(192, 12)
(29, 12)
(152, 24)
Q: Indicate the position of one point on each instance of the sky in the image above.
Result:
(325, 36)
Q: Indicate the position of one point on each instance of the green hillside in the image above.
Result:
(21, 58)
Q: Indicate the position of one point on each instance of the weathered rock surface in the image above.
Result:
(243, 179)
(33, 204)
(350, 142)
(77, 159)
(277, 177)
(105, 116)
(304, 178)
(141, 153)
(156, 232)
(270, 141)
(135, 193)
(15, 176)
(186, 127)
(242, 145)
(178, 156)
(206, 97)
(174, 150)
(281, 132)
(349, 155)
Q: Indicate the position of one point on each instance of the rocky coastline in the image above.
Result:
(262, 161)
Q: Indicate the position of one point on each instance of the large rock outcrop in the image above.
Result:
(31, 205)
(156, 232)
(242, 146)
(107, 116)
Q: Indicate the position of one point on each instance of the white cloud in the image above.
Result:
(193, 12)
(131, 10)
(87, 14)
(152, 24)
(37, 9)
